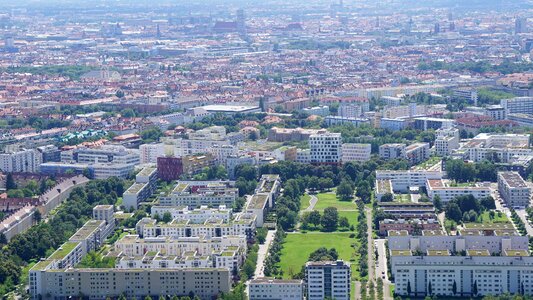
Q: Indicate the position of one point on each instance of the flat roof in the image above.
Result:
(401, 253)
(513, 179)
(229, 108)
(87, 229)
(512, 252)
(64, 250)
(478, 252)
(258, 201)
(444, 252)
(135, 188)
(398, 233)
(432, 232)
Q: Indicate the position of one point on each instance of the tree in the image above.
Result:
(148, 298)
(119, 94)
(128, 113)
(345, 191)
(343, 222)
(454, 287)
(330, 219)
(387, 197)
(474, 288)
(167, 217)
(314, 218)
(3, 239)
(10, 182)
(453, 212)
(437, 203)
(37, 216)
(409, 288)
(430, 289)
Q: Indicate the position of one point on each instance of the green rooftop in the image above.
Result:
(64, 250)
(401, 253)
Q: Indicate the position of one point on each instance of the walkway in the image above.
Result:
(370, 245)
(262, 253)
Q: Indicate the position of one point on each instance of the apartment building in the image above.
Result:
(446, 141)
(133, 245)
(448, 191)
(522, 105)
(356, 152)
(501, 148)
(401, 181)
(20, 160)
(326, 148)
(264, 197)
(242, 224)
(392, 151)
(144, 186)
(99, 284)
(201, 193)
(197, 215)
(417, 153)
(494, 264)
(276, 289)
(327, 279)
(232, 162)
(410, 226)
(513, 189)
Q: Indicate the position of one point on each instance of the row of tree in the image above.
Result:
(274, 255)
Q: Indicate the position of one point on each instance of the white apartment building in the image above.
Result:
(401, 181)
(276, 289)
(356, 152)
(150, 152)
(438, 273)
(417, 153)
(243, 224)
(222, 152)
(513, 189)
(350, 110)
(107, 154)
(197, 215)
(447, 140)
(515, 105)
(447, 192)
(328, 279)
(196, 194)
(325, 148)
(392, 151)
(20, 160)
(496, 147)
(496, 112)
(133, 245)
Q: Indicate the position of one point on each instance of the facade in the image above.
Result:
(326, 148)
(201, 193)
(243, 224)
(447, 140)
(417, 153)
(513, 189)
(197, 215)
(276, 289)
(327, 280)
(169, 168)
(523, 105)
(144, 186)
(356, 152)
(20, 160)
(401, 181)
(392, 151)
(99, 284)
(447, 192)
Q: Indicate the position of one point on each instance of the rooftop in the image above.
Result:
(478, 252)
(63, 250)
(438, 252)
(401, 253)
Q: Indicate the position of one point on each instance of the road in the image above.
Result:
(381, 267)
(262, 253)
(370, 255)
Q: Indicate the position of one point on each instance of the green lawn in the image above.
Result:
(304, 201)
(498, 218)
(297, 247)
(330, 200)
(351, 215)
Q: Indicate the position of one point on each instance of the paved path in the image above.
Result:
(370, 250)
(523, 216)
(312, 203)
(262, 253)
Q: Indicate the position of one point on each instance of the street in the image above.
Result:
(523, 216)
(381, 267)
(370, 255)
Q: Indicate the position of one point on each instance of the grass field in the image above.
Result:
(304, 201)
(351, 215)
(498, 218)
(330, 200)
(297, 247)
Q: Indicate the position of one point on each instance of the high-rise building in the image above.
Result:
(520, 25)
(241, 21)
(447, 140)
(326, 148)
(327, 280)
